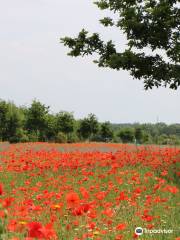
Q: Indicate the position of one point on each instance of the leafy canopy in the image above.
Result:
(88, 126)
(150, 26)
(65, 122)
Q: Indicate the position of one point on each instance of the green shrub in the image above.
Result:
(61, 138)
(72, 138)
(33, 136)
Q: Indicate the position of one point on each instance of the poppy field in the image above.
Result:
(88, 191)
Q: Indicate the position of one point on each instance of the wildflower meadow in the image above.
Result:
(88, 191)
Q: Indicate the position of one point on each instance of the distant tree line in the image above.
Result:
(37, 123)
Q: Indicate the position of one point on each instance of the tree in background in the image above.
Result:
(152, 25)
(61, 137)
(106, 132)
(139, 135)
(51, 130)
(127, 135)
(3, 119)
(11, 122)
(174, 140)
(163, 139)
(36, 121)
(14, 128)
(173, 129)
(147, 138)
(88, 127)
(65, 123)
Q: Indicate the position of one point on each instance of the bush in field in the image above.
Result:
(72, 138)
(33, 136)
(147, 138)
(127, 135)
(61, 138)
(163, 139)
(117, 139)
(21, 136)
(174, 140)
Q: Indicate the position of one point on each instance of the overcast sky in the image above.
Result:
(34, 65)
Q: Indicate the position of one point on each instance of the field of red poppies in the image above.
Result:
(88, 191)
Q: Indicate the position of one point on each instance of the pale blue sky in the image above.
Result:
(34, 65)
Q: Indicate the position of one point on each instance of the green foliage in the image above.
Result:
(174, 140)
(163, 139)
(2, 229)
(36, 119)
(3, 119)
(139, 134)
(20, 136)
(106, 132)
(116, 138)
(173, 173)
(33, 136)
(14, 120)
(127, 135)
(11, 119)
(147, 138)
(88, 127)
(65, 122)
(72, 138)
(61, 138)
(33, 124)
(50, 130)
(152, 25)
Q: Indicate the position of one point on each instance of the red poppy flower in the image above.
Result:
(1, 189)
(35, 230)
(119, 237)
(72, 199)
(48, 231)
(121, 226)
